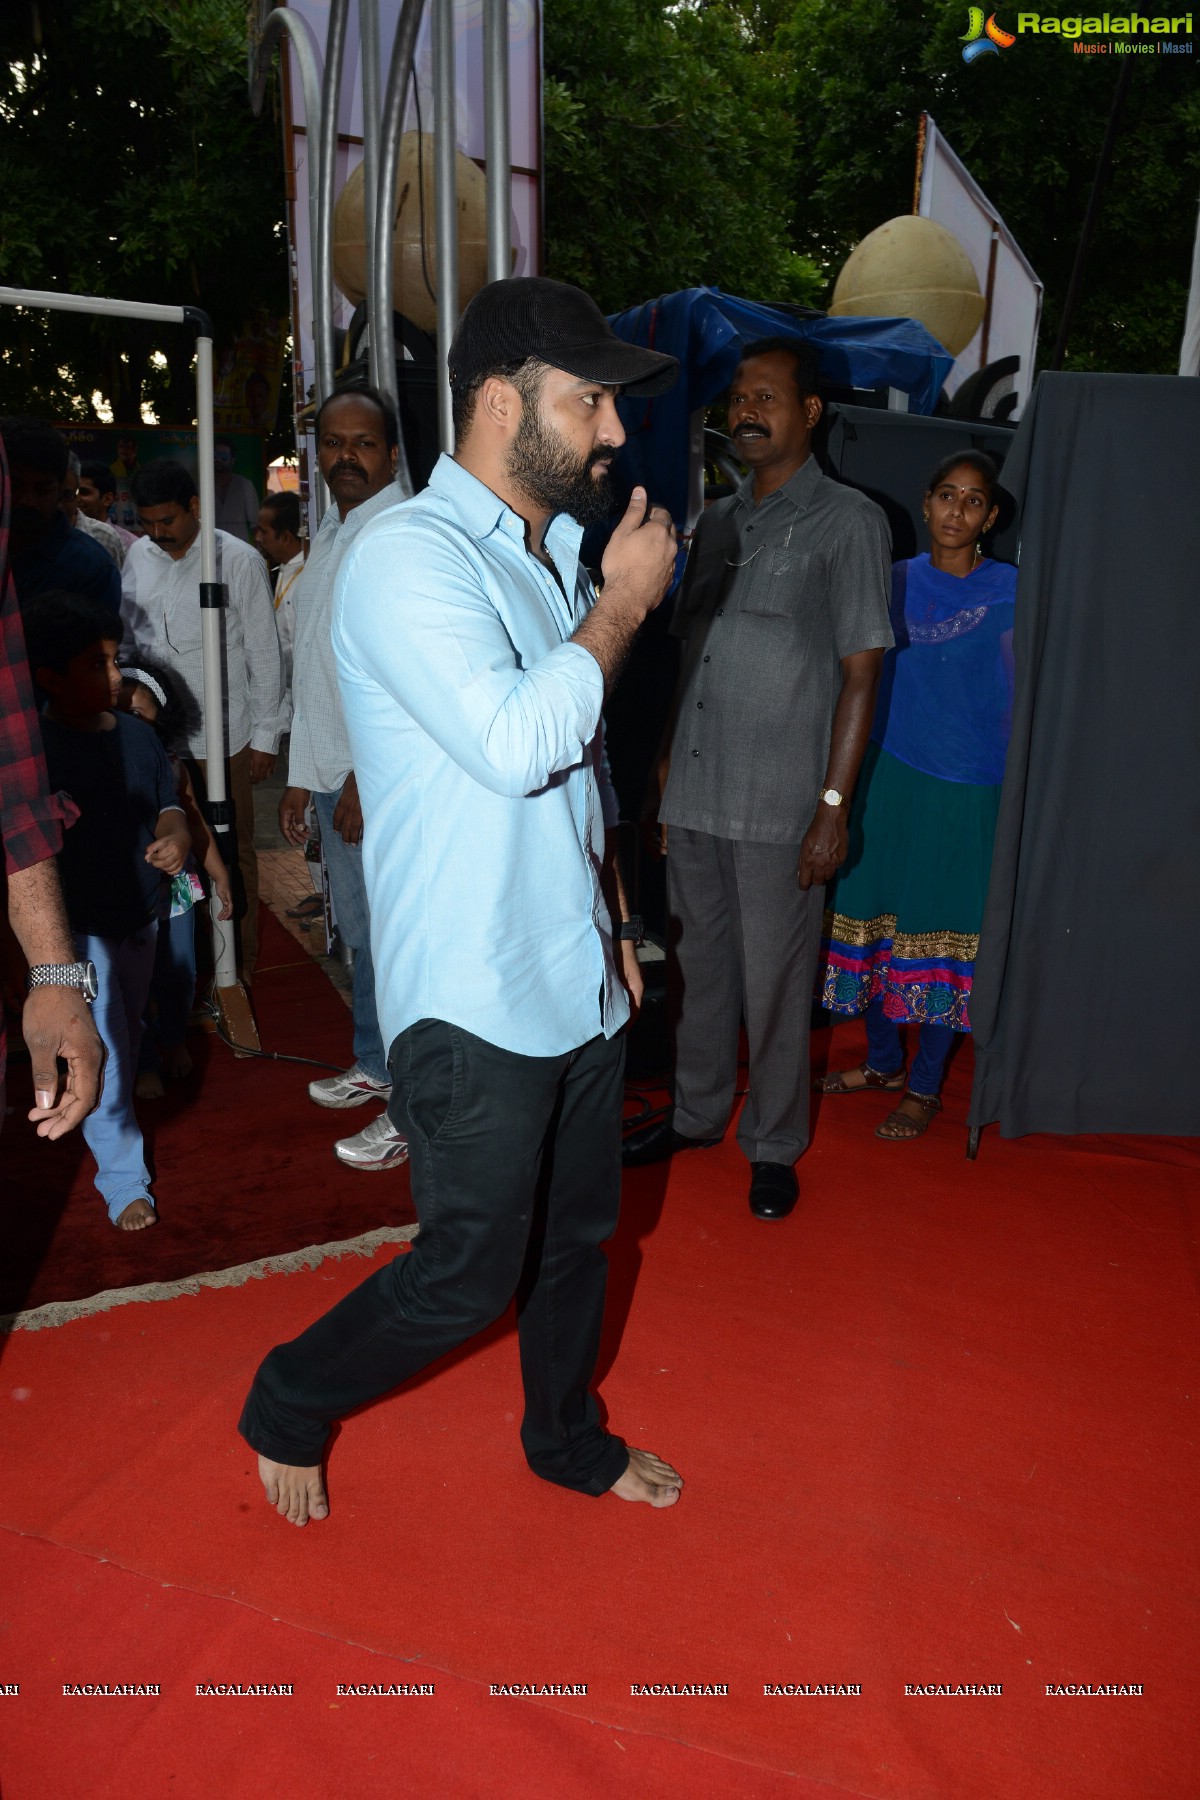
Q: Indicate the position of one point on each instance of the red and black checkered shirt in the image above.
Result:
(32, 819)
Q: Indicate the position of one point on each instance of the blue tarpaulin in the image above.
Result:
(707, 331)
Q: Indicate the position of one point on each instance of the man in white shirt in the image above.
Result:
(99, 530)
(160, 604)
(277, 535)
(356, 448)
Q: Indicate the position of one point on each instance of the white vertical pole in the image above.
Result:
(369, 31)
(211, 602)
(445, 205)
(496, 138)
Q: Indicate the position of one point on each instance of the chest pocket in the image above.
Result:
(773, 585)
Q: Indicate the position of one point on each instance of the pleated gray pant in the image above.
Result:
(743, 943)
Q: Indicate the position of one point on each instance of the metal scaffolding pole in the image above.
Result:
(381, 295)
(445, 205)
(335, 49)
(299, 34)
(232, 1003)
(496, 138)
(369, 28)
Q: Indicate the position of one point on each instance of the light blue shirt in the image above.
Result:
(477, 745)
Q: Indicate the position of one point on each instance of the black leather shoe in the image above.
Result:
(654, 1143)
(774, 1190)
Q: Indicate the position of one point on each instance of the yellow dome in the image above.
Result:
(913, 268)
(412, 296)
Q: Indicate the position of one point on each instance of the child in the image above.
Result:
(130, 833)
(148, 694)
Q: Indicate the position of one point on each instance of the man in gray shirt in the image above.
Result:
(783, 612)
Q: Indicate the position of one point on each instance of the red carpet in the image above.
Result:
(242, 1158)
(938, 1428)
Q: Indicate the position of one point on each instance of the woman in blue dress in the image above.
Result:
(903, 919)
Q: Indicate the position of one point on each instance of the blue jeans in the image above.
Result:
(516, 1178)
(123, 970)
(349, 889)
(885, 1052)
(172, 989)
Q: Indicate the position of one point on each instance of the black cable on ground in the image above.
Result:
(309, 1062)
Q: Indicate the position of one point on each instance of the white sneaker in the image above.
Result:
(378, 1146)
(350, 1089)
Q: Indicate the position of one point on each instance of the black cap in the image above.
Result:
(530, 315)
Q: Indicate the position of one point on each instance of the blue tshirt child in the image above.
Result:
(131, 832)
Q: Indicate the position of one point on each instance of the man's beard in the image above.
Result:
(546, 469)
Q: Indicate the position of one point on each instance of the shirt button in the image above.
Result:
(695, 753)
(708, 659)
(699, 706)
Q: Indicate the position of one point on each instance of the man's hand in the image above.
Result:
(347, 814)
(291, 815)
(640, 558)
(826, 843)
(261, 765)
(637, 568)
(630, 971)
(56, 1022)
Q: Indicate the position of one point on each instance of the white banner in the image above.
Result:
(1011, 290)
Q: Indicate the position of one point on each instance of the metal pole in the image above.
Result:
(369, 26)
(299, 35)
(335, 47)
(496, 138)
(445, 206)
(382, 300)
(212, 599)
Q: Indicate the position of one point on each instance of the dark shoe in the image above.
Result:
(774, 1190)
(654, 1143)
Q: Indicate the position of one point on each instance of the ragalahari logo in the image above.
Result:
(984, 39)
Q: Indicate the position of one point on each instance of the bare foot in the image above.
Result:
(137, 1215)
(149, 1086)
(175, 1061)
(297, 1495)
(648, 1478)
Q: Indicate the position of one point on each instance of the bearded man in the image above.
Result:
(474, 658)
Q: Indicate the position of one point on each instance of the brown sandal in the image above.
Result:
(905, 1125)
(872, 1081)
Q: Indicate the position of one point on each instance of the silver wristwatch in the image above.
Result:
(81, 975)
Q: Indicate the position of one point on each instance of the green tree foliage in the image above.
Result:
(668, 152)
(1029, 124)
(133, 168)
(753, 143)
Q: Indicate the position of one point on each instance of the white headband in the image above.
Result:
(146, 681)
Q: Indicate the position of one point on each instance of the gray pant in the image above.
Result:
(745, 942)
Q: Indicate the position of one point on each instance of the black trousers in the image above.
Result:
(516, 1173)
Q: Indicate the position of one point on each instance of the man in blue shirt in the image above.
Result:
(474, 659)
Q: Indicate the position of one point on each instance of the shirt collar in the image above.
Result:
(483, 512)
(356, 518)
(798, 488)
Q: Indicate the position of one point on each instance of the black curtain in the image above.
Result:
(1086, 1004)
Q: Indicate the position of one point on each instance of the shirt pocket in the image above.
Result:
(776, 589)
